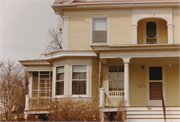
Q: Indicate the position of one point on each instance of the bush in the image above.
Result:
(69, 109)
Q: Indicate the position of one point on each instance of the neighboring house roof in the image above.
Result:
(98, 1)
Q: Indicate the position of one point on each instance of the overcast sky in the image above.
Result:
(24, 25)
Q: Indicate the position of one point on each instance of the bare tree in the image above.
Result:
(56, 37)
(13, 87)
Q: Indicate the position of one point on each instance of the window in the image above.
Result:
(151, 33)
(60, 80)
(79, 79)
(99, 30)
(116, 78)
(155, 73)
(42, 84)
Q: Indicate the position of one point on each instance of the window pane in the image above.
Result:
(116, 85)
(34, 93)
(60, 88)
(35, 81)
(79, 68)
(79, 87)
(44, 81)
(44, 76)
(151, 29)
(60, 76)
(120, 68)
(44, 72)
(60, 69)
(46, 94)
(99, 36)
(155, 73)
(99, 24)
(79, 75)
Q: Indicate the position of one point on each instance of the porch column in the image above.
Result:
(101, 97)
(170, 33)
(126, 82)
(27, 102)
(134, 34)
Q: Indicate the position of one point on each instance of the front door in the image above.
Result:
(155, 85)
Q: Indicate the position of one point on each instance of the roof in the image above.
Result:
(100, 1)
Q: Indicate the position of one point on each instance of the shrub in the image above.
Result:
(71, 109)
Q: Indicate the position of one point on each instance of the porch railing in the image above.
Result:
(39, 103)
(114, 97)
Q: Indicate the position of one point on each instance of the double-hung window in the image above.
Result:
(99, 30)
(79, 79)
(116, 78)
(60, 80)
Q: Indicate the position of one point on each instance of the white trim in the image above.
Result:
(134, 34)
(117, 11)
(62, 54)
(121, 4)
(91, 29)
(157, 29)
(30, 83)
(155, 102)
(139, 54)
(65, 33)
(87, 82)
(55, 80)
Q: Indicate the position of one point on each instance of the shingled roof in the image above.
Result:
(98, 1)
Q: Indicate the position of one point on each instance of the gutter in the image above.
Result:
(111, 3)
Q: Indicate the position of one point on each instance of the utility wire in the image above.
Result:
(22, 47)
(34, 52)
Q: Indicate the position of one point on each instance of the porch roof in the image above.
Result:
(137, 51)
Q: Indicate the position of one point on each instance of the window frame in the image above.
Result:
(157, 30)
(59, 80)
(87, 79)
(109, 79)
(39, 78)
(91, 29)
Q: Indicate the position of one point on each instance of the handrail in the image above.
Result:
(164, 108)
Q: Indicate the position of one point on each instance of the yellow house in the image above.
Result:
(133, 44)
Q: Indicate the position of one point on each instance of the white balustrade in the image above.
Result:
(114, 97)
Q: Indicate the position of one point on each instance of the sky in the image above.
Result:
(23, 28)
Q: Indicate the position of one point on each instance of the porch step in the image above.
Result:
(152, 114)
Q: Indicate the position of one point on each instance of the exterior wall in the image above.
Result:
(140, 32)
(120, 30)
(137, 95)
(176, 19)
(163, 31)
(79, 32)
(172, 85)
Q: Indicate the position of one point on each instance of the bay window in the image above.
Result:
(60, 80)
(79, 79)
